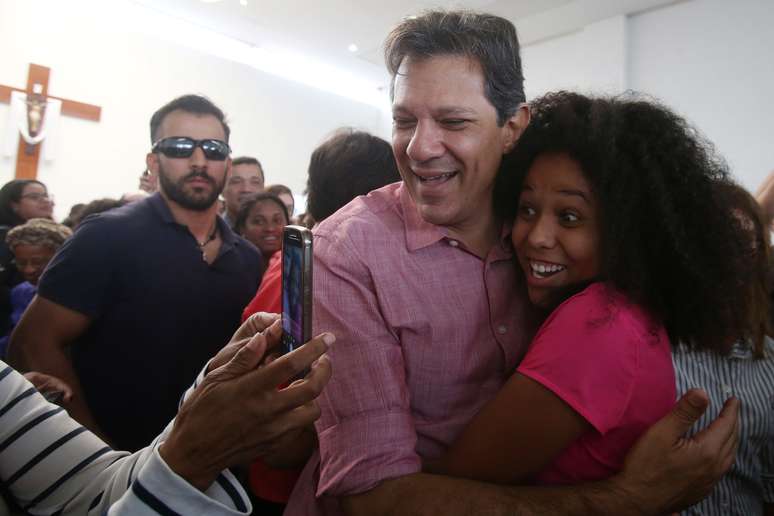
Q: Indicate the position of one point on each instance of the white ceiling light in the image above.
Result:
(352, 47)
(243, 2)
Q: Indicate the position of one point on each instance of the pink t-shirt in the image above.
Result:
(609, 361)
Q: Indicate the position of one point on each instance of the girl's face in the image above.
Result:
(34, 202)
(264, 225)
(556, 234)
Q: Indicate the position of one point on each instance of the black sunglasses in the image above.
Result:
(183, 147)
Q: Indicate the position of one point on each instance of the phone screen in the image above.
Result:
(292, 296)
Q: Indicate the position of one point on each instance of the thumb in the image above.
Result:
(687, 411)
(247, 358)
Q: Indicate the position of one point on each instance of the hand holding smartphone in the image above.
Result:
(296, 287)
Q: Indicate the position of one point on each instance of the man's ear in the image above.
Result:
(514, 127)
(228, 169)
(152, 162)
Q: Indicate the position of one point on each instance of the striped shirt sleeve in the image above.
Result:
(750, 483)
(767, 474)
(50, 464)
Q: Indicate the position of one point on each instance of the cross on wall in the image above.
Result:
(28, 156)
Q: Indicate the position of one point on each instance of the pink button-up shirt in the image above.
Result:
(426, 332)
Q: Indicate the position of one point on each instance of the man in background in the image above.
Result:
(142, 295)
(246, 179)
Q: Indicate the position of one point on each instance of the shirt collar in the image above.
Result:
(741, 350)
(159, 205)
(420, 233)
(161, 208)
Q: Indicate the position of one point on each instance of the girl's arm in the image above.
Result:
(515, 436)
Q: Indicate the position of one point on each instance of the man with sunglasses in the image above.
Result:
(142, 296)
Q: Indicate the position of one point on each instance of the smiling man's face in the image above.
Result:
(446, 140)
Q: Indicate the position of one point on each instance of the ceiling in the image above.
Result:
(324, 29)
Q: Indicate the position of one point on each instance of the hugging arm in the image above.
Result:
(500, 446)
(663, 472)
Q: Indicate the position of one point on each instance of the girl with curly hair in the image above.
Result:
(625, 249)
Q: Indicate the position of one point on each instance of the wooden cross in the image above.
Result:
(28, 155)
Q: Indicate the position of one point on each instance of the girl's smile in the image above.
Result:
(556, 233)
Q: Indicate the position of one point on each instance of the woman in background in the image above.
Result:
(261, 220)
(747, 373)
(20, 200)
(33, 244)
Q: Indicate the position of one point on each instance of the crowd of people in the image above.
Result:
(514, 305)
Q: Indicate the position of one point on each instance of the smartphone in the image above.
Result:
(296, 287)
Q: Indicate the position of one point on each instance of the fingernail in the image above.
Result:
(328, 338)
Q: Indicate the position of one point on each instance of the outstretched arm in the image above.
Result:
(235, 413)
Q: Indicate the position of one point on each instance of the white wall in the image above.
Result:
(589, 60)
(713, 60)
(710, 60)
(98, 58)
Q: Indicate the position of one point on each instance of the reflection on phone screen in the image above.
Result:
(292, 297)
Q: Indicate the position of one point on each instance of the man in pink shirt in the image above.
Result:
(418, 284)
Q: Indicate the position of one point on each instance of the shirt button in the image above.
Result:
(453, 243)
(727, 390)
(502, 329)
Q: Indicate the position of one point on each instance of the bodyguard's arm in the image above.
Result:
(39, 343)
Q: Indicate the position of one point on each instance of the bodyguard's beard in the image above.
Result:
(185, 195)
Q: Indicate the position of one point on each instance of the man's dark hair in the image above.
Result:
(97, 206)
(279, 189)
(668, 240)
(487, 39)
(11, 192)
(348, 164)
(195, 104)
(248, 160)
(247, 206)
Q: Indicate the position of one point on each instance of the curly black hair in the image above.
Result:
(668, 241)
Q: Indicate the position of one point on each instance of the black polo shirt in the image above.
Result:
(158, 311)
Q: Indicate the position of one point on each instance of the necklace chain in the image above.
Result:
(209, 238)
